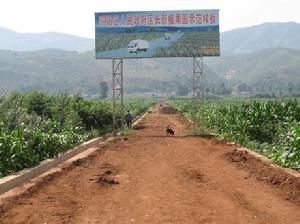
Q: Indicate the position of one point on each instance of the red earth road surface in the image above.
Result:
(146, 177)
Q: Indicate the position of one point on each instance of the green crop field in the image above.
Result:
(193, 43)
(271, 128)
(36, 126)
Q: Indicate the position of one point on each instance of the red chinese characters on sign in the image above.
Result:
(158, 19)
(102, 20)
(109, 20)
(164, 19)
(185, 19)
(205, 19)
(171, 19)
(137, 20)
(116, 21)
(212, 18)
(178, 19)
(192, 19)
(130, 20)
(143, 20)
(150, 20)
(198, 18)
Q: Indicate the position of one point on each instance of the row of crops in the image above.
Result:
(192, 43)
(271, 128)
(36, 126)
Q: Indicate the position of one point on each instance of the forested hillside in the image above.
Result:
(271, 70)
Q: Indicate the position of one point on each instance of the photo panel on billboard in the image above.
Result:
(155, 34)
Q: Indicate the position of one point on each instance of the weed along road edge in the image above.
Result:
(147, 177)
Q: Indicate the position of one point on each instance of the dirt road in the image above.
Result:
(146, 177)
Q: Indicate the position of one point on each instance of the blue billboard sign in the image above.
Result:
(151, 34)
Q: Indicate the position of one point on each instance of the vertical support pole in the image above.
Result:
(198, 87)
(117, 86)
(198, 78)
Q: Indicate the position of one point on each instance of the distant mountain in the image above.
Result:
(10, 40)
(263, 36)
(238, 41)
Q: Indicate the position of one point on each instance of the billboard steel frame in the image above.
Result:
(158, 34)
(118, 90)
(117, 87)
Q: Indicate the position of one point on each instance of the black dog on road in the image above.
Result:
(170, 132)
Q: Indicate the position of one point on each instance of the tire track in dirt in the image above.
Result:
(150, 178)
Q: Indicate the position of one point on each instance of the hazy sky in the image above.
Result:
(77, 16)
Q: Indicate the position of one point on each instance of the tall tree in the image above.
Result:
(182, 90)
(103, 90)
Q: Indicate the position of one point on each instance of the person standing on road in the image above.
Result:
(128, 119)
